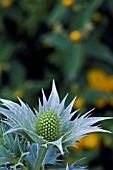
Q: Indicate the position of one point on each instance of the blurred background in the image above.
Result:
(70, 41)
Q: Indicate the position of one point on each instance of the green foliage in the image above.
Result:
(36, 47)
(45, 128)
(12, 149)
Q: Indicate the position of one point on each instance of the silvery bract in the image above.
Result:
(12, 149)
(52, 125)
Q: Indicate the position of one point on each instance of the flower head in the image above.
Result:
(75, 36)
(52, 124)
(101, 102)
(79, 103)
(91, 142)
(97, 17)
(1, 69)
(6, 3)
(99, 80)
(48, 126)
(68, 3)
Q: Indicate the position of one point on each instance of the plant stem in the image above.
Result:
(42, 168)
(23, 167)
(41, 155)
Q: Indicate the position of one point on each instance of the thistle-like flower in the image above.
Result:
(52, 125)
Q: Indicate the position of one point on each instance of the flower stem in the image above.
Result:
(23, 167)
(41, 155)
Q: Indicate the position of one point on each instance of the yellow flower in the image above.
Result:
(107, 140)
(101, 103)
(19, 93)
(97, 80)
(111, 102)
(1, 69)
(88, 142)
(6, 3)
(68, 3)
(110, 83)
(79, 103)
(91, 142)
(75, 36)
(97, 17)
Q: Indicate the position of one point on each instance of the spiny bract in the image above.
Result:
(52, 124)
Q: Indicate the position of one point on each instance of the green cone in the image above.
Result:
(48, 126)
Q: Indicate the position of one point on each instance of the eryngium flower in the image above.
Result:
(52, 124)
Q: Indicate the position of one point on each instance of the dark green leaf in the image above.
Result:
(99, 51)
(85, 15)
(56, 41)
(58, 14)
(73, 60)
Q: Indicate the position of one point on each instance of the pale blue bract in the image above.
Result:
(22, 119)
